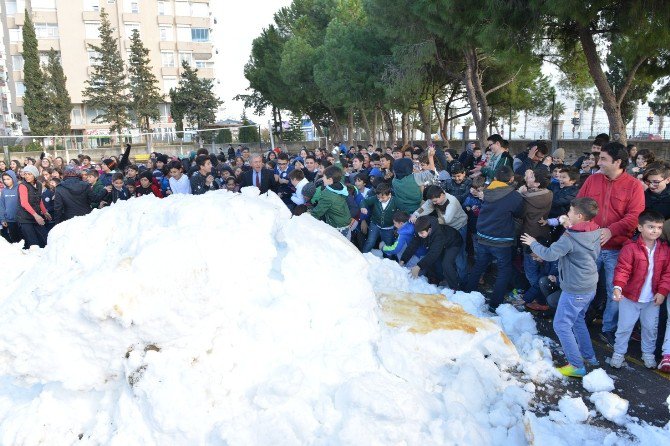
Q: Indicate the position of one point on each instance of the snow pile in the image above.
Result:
(611, 406)
(574, 409)
(219, 319)
(598, 381)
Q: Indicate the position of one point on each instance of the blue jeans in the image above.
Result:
(533, 271)
(462, 259)
(570, 327)
(607, 261)
(374, 232)
(484, 255)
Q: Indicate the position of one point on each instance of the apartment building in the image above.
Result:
(8, 126)
(173, 31)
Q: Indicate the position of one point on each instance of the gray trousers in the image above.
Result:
(666, 340)
(629, 313)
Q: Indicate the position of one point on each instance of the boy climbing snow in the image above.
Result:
(576, 252)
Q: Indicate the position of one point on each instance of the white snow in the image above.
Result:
(574, 409)
(219, 319)
(598, 381)
(611, 406)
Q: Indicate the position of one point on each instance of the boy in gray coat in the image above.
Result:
(576, 252)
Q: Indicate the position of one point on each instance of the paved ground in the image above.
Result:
(646, 390)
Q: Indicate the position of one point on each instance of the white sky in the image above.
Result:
(238, 24)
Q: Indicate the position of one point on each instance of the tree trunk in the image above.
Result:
(374, 127)
(425, 122)
(350, 127)
(317, 127)
(525, 123)
(366, 126)
(634, 120)
(336, 135)
(475, 95)
(611, 102)
(593, 117)
(660, 125)
(390, 126)
(403, 128)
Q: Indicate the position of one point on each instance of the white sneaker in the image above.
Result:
(649, 360)
(617, 360)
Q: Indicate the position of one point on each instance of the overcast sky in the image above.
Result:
(238, 24)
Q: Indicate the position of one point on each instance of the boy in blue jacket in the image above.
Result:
(9, 202)
(405, 229)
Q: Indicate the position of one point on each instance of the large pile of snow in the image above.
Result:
(219, 319)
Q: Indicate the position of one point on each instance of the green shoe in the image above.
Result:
(572, 371)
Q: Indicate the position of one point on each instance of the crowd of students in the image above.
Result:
(556, 233)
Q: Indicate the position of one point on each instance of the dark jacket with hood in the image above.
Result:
(405, 189)
(500, 206)
(440, 238)
(73, 198)
(560, 204)
(576, 252)
(9, 199)
(659, 202)
(537, 207)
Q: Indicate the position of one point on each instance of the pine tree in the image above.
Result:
(107, 88)
(193, 100)
(247, 133)
(295, 132)
(144, 88)
(225, 136)
(35, 97)
(60, 103)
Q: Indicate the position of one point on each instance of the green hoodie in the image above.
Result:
(332, 206)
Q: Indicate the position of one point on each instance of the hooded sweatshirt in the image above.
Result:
(658, 201)
(9, 199)
(405, 235)
(332, 206)
(73, 198)
(500, 206)
(576, 252)
(405, 188)
(538, 204)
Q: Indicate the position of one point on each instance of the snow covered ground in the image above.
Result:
(221, 320)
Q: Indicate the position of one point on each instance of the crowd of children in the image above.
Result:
(549, 228)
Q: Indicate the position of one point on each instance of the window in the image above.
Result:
(17, 62)
(44, 58)
(20, 89)
(92, 31)
(199, 34)
(167, 59)
(164, 8)
(182, 8)
(15, 6)
(44, 4)
(185, 57)
(92, 5)
(76, 116)
(46, 30)
(16, 34)
(204, 64)
(183, 34)
(93, 58)
(199, 10)
(166, 33)
(135, 7)
(130, 27)
(169, 83)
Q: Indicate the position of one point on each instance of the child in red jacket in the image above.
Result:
(641, 282)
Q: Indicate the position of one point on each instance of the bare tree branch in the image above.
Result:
(629, 80)
(508, 81)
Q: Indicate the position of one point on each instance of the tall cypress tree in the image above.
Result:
(35, 96)
(60, 103)
(144, 88)
(107, 88)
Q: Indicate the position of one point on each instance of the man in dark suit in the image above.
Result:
(263, 179)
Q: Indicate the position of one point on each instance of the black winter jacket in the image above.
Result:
(73, 198)
(440, 238)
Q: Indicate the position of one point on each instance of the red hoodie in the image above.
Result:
(620, 202)
(631, 269)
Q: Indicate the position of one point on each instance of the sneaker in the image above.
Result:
(592, 362)
(534, 306)
(608, 337)
(617, 360)
(664, 365)
(572, 371)
(649, 360)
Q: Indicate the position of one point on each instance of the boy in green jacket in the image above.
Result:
(332, 206)
(381, 208)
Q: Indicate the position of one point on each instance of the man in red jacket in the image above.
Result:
(620, 198)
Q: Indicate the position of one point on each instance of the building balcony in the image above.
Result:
(17, 75)
(18, 102)
(183, 20)
(165, 20)
(45, 17)
(170, 71)
(200, 1)
(91, 16)
(167, 45)
(18, 20)
(206, 73)
(200, 22)
(15, 48)
(202, 51)
(47, 44)
(131, 17)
